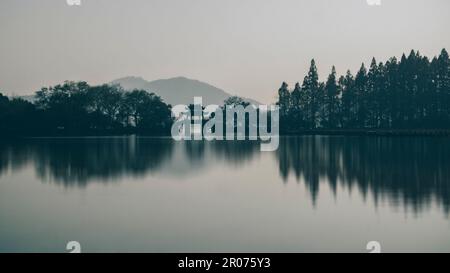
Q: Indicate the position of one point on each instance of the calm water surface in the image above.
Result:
(154, 195)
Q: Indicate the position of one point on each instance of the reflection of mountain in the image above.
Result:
(405, 171)
(414, 171)
(178, 90)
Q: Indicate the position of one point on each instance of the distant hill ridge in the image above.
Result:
(178, 90)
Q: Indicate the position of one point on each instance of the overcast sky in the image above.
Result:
(246, 47)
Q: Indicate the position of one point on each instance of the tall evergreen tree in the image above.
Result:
(349, 101)
(361, 97)
(284, 103)
(296, 117)
(443, 86)
(311, 87)
(331, 105)
(284, 99)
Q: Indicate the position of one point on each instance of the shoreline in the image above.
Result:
(377, 132)
(318, 132)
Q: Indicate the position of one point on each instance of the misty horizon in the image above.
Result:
(246, 48)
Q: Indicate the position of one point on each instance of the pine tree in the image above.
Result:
(443, 86)
(371, 95)
(331, 101)
(311, 88)
(284, 103)
(361, 97)
(348, 104)
(296, 108)
(391, 101)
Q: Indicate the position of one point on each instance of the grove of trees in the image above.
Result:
(75, 108)
(412, 93)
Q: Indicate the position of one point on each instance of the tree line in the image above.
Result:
(407, 94)
(412, 93)
(76, 108)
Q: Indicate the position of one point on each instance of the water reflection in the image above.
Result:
(411, 171)
(407, 171)
(78, 161)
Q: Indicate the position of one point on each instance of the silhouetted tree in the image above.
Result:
(149, 114)
(104, 104)
(331, 102)
(348, 101)
(311, 87)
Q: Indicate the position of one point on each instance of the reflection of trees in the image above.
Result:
(236, 152)
(410, 170)
(201, 153)
(13, 155)
(97, 158)
(195, 152)
(79, 160)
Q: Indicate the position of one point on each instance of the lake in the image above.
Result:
(314, 194)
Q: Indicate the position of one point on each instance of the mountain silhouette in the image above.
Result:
(179, 90)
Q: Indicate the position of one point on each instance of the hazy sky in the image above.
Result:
(246, 47)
